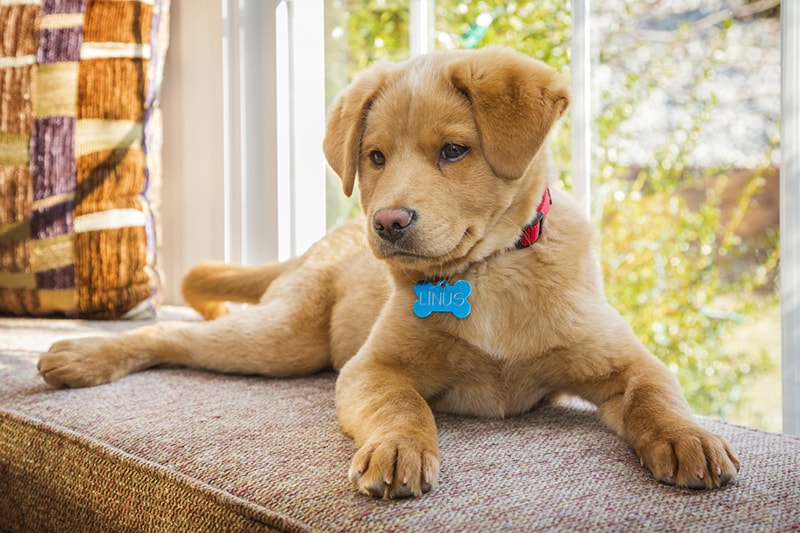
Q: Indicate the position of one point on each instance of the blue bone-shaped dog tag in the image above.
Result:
(442, 298)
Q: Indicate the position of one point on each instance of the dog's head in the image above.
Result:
(448, 152)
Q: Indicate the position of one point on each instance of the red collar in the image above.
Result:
(532, 232)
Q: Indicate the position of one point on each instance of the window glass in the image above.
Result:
(686, 152)
(686, 109)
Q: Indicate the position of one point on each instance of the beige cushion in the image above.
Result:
(184, 450)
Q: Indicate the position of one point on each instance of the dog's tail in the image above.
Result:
(208, 286)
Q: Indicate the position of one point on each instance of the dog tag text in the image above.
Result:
(442, 298)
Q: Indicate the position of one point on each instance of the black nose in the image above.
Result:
(391, 223)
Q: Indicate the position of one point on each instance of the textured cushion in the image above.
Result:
(79, 155)
(184, 450)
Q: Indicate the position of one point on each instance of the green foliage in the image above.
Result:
(668, 268)
(671, 269)
(661, 262)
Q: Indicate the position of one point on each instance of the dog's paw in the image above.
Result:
(690, 457)
(82, 362)
(395, 467)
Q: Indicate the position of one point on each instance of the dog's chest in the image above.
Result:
(490, 388)
(510, 320)
(503, 357)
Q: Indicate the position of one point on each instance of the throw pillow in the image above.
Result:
(80, 156)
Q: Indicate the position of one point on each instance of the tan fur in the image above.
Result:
(539, 326)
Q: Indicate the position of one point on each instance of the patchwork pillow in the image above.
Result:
(80, 156)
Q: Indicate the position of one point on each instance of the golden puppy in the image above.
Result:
(467, 288)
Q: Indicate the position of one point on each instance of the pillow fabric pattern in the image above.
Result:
(80, 148)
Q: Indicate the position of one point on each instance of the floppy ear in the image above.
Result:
(515, 99)
(342, 142)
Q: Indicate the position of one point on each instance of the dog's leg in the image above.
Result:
(641, 400)
(380, 401)
(276, 339)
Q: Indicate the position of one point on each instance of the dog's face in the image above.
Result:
(447, 149)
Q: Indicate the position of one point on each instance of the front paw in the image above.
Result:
(395, 466)
(81, 363)
(690, 456)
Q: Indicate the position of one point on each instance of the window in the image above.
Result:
(243, 102)
(242, 153)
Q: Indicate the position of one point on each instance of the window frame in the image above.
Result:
(790, 216)
(243, 100)
(235, 189)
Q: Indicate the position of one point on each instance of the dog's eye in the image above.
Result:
(453, 152)
(377, 158)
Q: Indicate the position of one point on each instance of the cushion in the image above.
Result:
(80, 156)
(172, 449)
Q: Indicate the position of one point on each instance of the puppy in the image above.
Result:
(469, 287)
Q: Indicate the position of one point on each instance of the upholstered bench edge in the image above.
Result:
(53, 479)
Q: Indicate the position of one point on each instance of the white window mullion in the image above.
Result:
(285, 189)
(256, 83)
(790, 215)
(580, 70)
(231, 109)
(421, 15)
(303, 53)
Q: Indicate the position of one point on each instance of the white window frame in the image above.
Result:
(244, 116)
(790, 215)
(244, 174)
